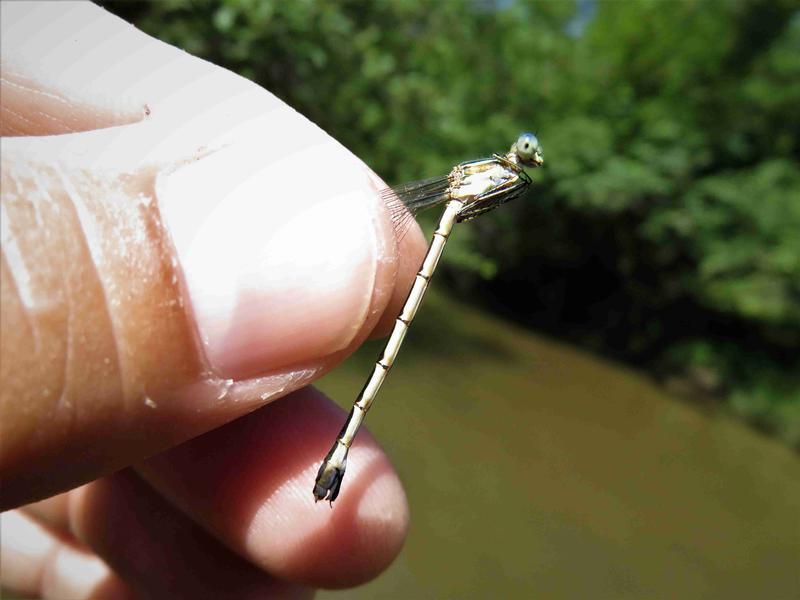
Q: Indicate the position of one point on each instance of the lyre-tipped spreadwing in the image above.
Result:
(470, 189)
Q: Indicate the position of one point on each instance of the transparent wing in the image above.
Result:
(406, 200)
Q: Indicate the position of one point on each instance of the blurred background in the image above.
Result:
(614, 410)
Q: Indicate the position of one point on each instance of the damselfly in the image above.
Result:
(470, 189)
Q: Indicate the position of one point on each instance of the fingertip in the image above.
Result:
(334, 546)
(253, 488)
(330, 546)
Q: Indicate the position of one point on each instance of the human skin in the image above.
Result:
(179, 250)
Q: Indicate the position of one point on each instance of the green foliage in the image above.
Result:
(669, 205)
(742, 230)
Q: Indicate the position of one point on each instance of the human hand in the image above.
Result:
(179, 249)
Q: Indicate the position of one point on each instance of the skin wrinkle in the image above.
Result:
(34, 308)
(30, 89)
(10, 243)
(63, 399)
(19, 271)
(32, 329)
(72, 113)
(19, 116)
(88, 233)
(64, 403)
(5, 81)
(54, 120)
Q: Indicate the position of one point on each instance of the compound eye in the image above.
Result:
(527, 146)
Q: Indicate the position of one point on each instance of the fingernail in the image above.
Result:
(278, 255)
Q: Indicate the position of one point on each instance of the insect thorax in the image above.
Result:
(471, 180)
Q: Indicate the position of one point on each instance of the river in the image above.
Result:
(537, 470)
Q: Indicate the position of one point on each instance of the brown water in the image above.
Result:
(534, 469)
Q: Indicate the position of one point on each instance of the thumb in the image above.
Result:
(164, 277)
